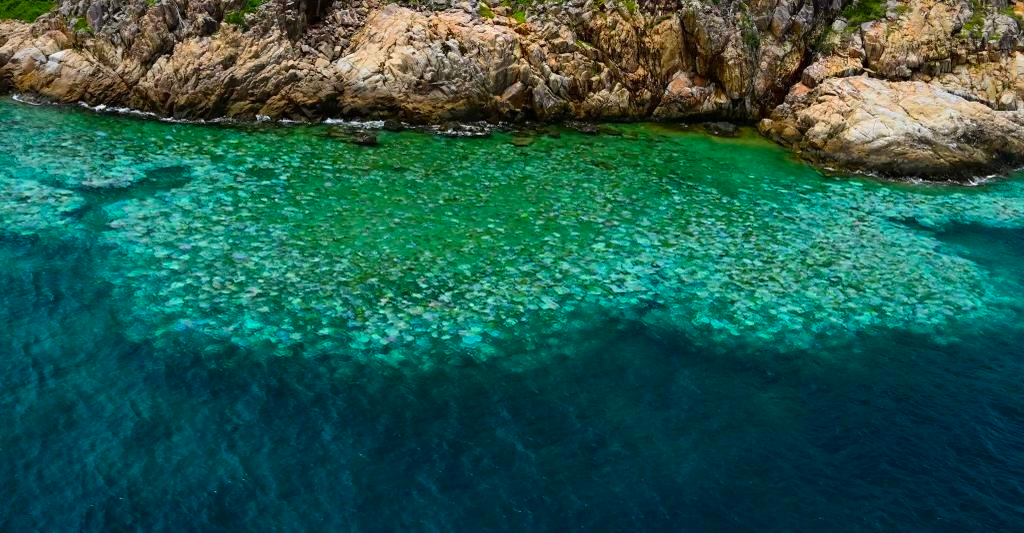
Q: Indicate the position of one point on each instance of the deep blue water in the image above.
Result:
(627, 424)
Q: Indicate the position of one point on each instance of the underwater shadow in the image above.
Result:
(641, 428)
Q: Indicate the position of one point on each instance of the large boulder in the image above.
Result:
(434, 66)
(899, 129)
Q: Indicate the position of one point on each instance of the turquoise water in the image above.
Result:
(264, 327)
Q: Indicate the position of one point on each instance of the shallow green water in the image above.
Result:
(639, 330)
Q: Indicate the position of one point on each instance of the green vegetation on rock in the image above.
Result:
(751, 37)
(975, 26)
(863, 11)
(238, 17)
(26, 10)
(518, 8)
(82, 24)
(234, 17)
(825, 42)
(486, 11)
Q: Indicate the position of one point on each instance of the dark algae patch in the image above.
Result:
(214, 328)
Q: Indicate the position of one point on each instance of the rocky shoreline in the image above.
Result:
(930, 88)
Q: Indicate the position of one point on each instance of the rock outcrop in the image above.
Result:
(577, 59)
(944, 99)
(903, 128)
(565, 60)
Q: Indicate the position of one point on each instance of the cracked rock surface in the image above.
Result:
(907, 128)
(574, 59)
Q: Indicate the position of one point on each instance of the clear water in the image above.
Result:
(265, 328)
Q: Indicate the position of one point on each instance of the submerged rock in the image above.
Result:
(608, 130)
(466, 246)
(585, 128)
(722, 129)
(29, 206)
(521, 142)
(454, 129)
(352, 136)
(364, 138)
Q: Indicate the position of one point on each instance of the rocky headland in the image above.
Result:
(924, 88)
